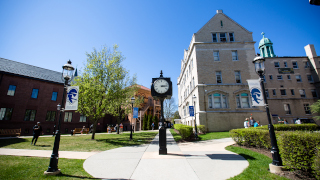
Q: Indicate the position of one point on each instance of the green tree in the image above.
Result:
(315, 108)
(176, 116)
(102, 72)
(156, 122)
(145, 122)
(149, 122)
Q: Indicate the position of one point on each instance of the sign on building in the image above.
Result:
(285, 71)
(72, 98)
(135, 112)
(256, 92)
(191, 110)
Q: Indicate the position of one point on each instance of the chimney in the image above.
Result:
(219, 11)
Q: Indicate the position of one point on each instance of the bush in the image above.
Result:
(251, 137)
(184, 130)
(316, 164)
(292, 127)
(201, 129)
(298, 149)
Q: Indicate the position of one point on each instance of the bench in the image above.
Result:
(78, 130)
(10, 132)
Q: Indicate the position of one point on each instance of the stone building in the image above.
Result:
(215, 68)
(292, 83)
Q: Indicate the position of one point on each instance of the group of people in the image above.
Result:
(116, 128)
(251, 123)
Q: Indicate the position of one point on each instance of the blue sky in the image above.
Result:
(151, 34)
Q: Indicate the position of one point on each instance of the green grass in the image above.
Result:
(214, 135)
(258, 165)
(15, 167)
(82, 143)
(176, 136)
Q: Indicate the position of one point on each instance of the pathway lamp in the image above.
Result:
(132, 102)
(67, 76)
(260, 70)
(195, 120)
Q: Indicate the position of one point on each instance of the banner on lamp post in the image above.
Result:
(72, 98)
(135, 112)
(256, 92)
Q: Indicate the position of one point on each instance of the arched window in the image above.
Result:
(184, 111)
(217, 101)
(187, 108)
(243, 100)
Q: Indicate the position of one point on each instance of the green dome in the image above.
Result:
(264, 41)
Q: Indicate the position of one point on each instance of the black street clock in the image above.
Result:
(161, 87)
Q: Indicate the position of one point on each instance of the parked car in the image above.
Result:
(304, 120)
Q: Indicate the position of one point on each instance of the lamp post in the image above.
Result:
(132, 102)
(67, 75)
(195, 120)
(260, 70)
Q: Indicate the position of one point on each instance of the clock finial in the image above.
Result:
(161, 74)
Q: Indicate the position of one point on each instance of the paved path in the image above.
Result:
(194, 160)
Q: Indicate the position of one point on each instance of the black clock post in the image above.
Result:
(161, 89)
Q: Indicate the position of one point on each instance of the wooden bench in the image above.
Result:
(78, 131)
(10, 132)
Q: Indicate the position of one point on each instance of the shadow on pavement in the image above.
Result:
(75, 177)
(6, 142)
(229, 156)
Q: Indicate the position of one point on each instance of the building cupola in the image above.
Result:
(266, 47)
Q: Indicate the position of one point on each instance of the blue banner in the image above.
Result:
(135, 112)
(191, 110)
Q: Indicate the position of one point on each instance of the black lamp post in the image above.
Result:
(260, 70)
(132, 102)
(195, 120)
(67, 75)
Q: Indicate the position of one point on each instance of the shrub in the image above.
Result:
(298, 149)
(201, 129)
(251, 137)
(184, 130)
(145, 122)
(292, 127)
(316, 164)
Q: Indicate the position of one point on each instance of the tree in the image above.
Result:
(99, 83)
(145, 122)
(176, 115)
(149, 122)
(315, 108)
(156, 122)
(169, 107)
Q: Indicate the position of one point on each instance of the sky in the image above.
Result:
(151, 35)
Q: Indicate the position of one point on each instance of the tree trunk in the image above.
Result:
(95, 122)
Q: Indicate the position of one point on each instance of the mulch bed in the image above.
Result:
(294, 175)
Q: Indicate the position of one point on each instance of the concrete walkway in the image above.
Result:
(194, 160)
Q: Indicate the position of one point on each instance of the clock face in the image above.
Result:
(161, 86)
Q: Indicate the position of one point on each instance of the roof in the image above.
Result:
(145, 88)
(21, 69)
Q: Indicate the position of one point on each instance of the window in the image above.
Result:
(189, 69)
(285, 64)
(214, 37)
(223, 37)
(218, 76)
(270, 77)
(235, 56)
(287, 108)
(295, 65)
(30, 115)
(187, 109)
(5, 113)
(243, 100)
(306, 65)
(279, 77)
(217, 101)
(314, 93)
(310, 79)
(83, 118)
(192, 63)
(193, 82)
(216, 56)
(298, 78)
(231, 37)
(221, 23)
(267, 93)
(289, 77)
(237, 76)
(54, 96)
(264, 79)
(51, 116)
(306, 108)
(302, 93)
(184, 111)
(35, 93)
(276, 64)
(292, 92)
(11, 90)
(274, 92)
(283, 92)
(67, 116)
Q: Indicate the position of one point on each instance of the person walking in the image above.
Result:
(152, 125)
(246, 123)
(116, 128)
(37, 129)
(251, 122)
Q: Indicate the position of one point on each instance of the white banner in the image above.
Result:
(72, 98)
(256, 92)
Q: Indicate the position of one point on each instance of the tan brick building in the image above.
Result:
(215, 69)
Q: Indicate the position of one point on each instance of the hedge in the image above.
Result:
(251, 137)
(201, 129)
(292, 127)
(184, 130)
(316, 165)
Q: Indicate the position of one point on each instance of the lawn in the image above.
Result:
(214, 135)
(258, 165)
(82, 143)
(15, 167)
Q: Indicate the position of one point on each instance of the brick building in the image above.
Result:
(29, 94)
